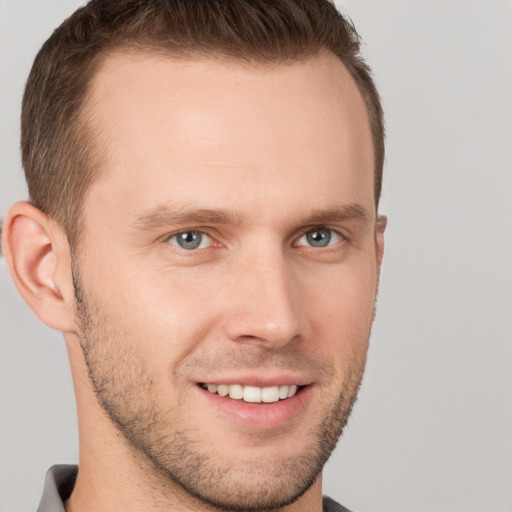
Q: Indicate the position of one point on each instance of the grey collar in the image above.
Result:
(58, 485)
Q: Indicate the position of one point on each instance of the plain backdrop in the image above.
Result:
(432, 430)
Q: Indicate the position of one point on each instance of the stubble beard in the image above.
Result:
(126, 391)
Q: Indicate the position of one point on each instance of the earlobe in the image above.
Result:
(39, 260)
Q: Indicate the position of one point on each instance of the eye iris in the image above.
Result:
(319, 237)
(189, 239)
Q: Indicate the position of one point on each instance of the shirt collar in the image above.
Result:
(58, 485)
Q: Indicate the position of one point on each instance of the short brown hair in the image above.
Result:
(61, 155)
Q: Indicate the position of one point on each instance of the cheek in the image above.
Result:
(349, 288)
(164, 314)
(341, 309)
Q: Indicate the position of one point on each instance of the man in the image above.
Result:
(203, 228)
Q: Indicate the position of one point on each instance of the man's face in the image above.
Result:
(229, 246)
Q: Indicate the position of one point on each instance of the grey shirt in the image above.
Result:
(60, 481)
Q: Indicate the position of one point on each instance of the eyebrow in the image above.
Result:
(166, 215)
(339, 214)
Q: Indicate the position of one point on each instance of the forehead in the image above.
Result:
(167, 124)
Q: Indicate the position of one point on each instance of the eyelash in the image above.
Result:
(328, 231)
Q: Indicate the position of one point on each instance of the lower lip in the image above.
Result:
(260, 415)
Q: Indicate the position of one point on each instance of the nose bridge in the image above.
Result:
(264, 308)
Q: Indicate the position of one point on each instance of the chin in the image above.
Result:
(252, 486)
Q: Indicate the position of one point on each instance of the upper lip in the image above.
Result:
(259, 380)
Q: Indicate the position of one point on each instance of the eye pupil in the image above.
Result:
(189, 239)
(319, 237)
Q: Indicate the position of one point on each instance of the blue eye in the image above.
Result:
(320, 238)
(190, 240)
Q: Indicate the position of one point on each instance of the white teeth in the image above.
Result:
(253, 394)
(269, 395)
(292, 390)
(222, 389)
(236, 391)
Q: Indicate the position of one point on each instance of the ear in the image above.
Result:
(39, 260)
(382, 222)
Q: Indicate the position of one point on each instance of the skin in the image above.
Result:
(280, 151)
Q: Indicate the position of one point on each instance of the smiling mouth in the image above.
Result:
(253, 394)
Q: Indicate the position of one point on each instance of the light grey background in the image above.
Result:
(433, 427)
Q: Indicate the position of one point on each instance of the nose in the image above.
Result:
(265, 304)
